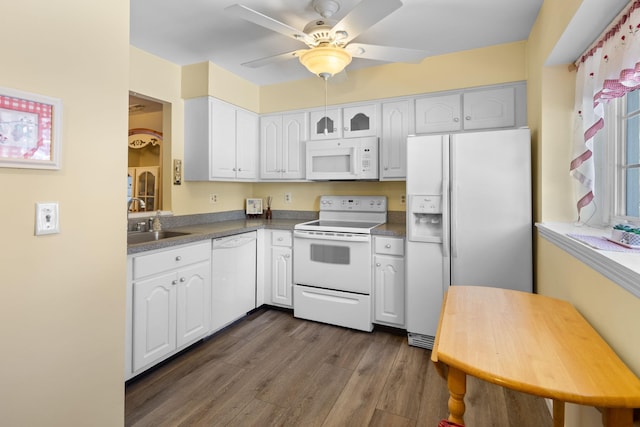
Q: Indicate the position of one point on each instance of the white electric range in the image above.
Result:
(333, 271)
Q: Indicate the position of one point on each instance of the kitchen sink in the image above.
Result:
(151, 236)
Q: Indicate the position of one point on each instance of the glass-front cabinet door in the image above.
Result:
(326, 124)
(143, 185)
(360, 120)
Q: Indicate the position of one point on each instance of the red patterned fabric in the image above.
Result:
(445, 423)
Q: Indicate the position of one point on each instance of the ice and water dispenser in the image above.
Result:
(425, 218)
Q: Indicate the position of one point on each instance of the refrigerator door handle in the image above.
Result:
(445, 196)
(454, 200)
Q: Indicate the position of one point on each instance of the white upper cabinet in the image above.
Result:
(360, 120)
(282, 145)
(325, 124)
(348, 122)
(438, 114)
(221, 141)
(393, 142)
(490, 108)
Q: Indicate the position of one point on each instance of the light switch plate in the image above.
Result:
(177, 171)
(47, 218)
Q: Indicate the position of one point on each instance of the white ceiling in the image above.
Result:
(192, 31)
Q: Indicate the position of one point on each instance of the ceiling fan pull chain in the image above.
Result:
(326, 119)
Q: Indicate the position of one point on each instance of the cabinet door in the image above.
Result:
(271, 147)
(281, 276)
(438, 114)
(154, 319)
(325, 125)
(395, 129)
(223, 139)
(360, 121)
(246, 145)
(193, 303)
(294, 135)
(389, 289)
(144, 183)
(493, 108)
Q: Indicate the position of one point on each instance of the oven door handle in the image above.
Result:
(341, 237)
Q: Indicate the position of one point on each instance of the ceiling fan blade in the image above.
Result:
(385, 53)
(265, 21)
(272, 59)
(364, 15)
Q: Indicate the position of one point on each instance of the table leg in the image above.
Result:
(617, 417)
(558, 413)
(457, 383)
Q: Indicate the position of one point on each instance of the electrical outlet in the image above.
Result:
(47, 218)
(287, 197)
(213, 199)
(402, 199)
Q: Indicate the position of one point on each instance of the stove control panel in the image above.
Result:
(353, 203)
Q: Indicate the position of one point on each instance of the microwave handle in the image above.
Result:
(354, 159)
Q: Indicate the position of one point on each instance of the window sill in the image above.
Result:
(622, 268)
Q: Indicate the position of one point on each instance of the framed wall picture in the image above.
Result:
(30, 130)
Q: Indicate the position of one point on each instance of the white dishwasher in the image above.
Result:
(233, 278)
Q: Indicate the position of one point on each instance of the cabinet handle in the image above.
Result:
(456, 119)
(239, 169)
(386, 168)
(378, 264)
(234, 169)
(280, 239)
(178, 258)
(468, 118)
(287, 256)
(388, 245)
(174, 282)
(182, 280)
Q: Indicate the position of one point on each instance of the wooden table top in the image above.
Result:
(531, 343)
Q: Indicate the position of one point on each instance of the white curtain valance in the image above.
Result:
(607, 70)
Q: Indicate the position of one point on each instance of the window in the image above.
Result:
(628, 158)
(616, 152)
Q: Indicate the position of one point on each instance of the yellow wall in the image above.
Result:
(491, 65)
(63, 296)
(613, 312)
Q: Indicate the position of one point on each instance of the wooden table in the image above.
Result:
(533, 344)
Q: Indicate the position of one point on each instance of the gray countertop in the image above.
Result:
(218, 229)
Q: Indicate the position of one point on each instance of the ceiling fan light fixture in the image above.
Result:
(325, 60)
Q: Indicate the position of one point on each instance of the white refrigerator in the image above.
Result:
(468, 219)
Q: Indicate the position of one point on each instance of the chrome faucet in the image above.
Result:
(131, 200)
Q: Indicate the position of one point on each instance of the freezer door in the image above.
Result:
(491, 225)
(424, 164)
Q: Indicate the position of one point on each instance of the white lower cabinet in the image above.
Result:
(389, 281)
(171, 293)
(279, 268)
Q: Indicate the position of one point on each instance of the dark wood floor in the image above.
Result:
(272, 369)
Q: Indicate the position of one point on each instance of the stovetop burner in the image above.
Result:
(350, 214)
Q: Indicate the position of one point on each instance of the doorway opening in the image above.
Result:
(146, 146)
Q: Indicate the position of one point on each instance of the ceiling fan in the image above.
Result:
(329, 42)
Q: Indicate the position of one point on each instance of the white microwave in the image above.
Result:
(343, 159)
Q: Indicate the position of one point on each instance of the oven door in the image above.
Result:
(339, 261)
